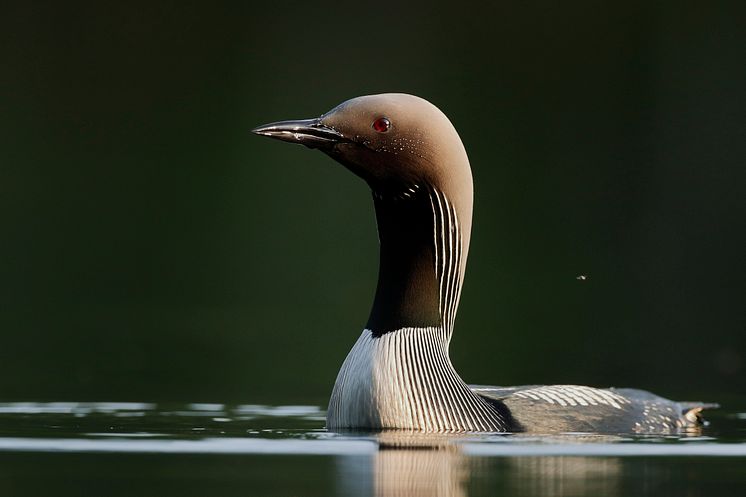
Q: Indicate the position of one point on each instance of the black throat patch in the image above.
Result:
(408, 288)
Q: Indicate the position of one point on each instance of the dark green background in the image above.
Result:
(152, 249)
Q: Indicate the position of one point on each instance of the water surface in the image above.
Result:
(66, 448)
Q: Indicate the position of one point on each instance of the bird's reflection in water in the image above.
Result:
(549, 476)
(415, 465)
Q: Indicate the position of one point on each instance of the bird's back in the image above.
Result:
(573, 408)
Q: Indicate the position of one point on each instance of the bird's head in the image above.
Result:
(393, 141)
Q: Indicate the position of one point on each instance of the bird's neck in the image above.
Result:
(422, 257)
(399, 374)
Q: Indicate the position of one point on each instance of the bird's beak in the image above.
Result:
(309, 132)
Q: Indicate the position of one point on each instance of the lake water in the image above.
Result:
(64, 448)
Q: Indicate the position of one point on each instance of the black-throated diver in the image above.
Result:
(399, 374)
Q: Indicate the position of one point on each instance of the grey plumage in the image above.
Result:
(573, 408)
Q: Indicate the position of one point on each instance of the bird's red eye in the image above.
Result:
(381, 125)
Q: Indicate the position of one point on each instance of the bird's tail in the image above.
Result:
(692, 411)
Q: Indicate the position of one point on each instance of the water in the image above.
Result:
(213, 449)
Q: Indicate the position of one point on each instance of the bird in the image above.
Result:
(398, 374)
